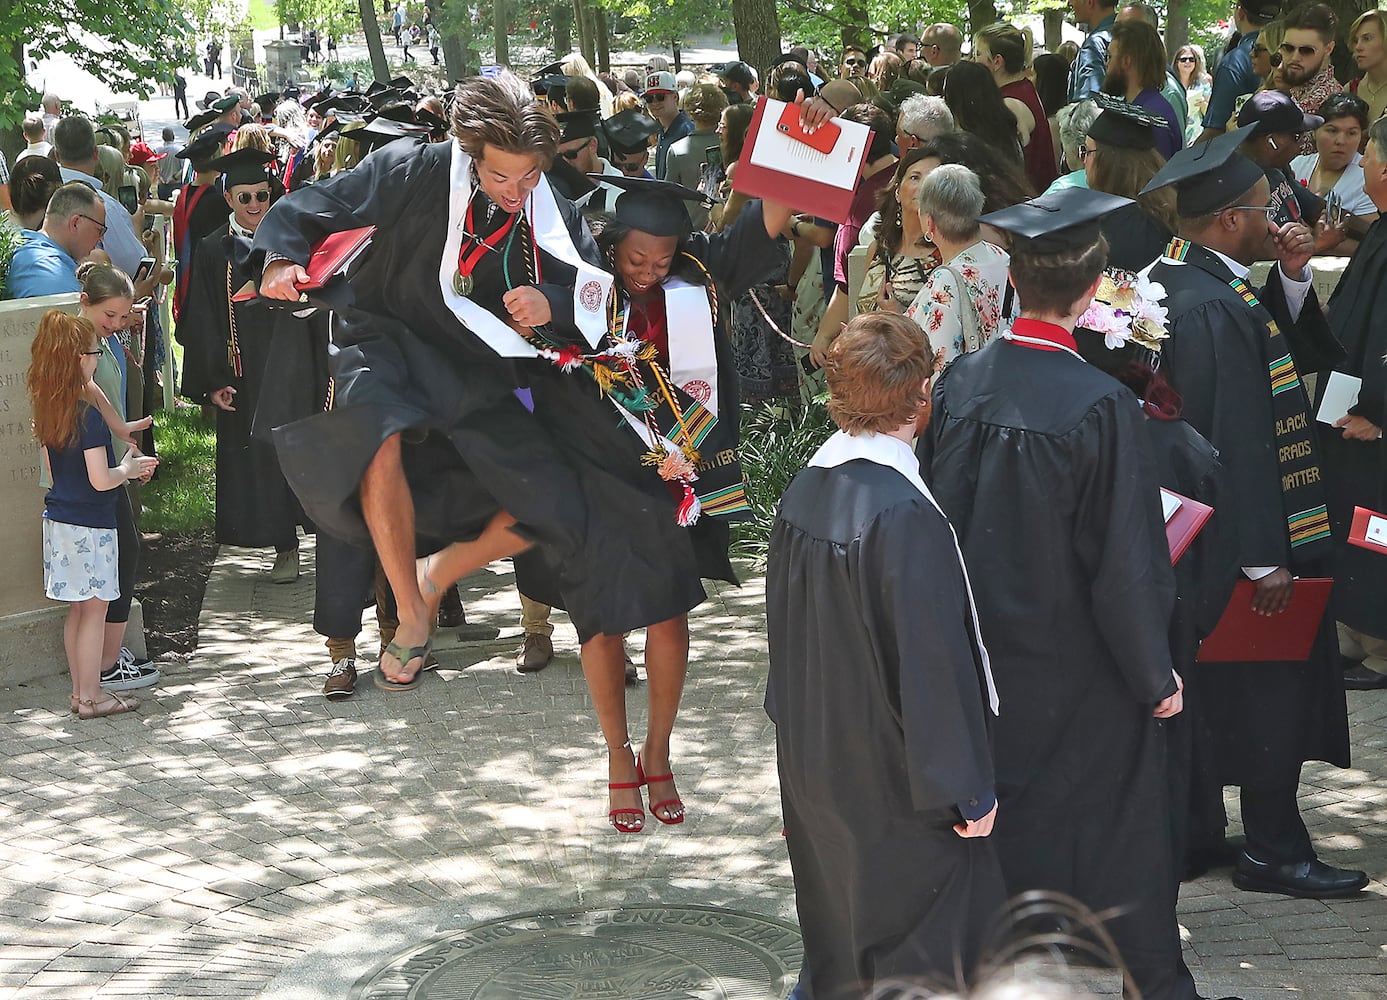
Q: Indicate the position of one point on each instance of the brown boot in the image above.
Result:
(535, 654)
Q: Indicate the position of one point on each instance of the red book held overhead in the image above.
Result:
(331, 257)
(1242, 635)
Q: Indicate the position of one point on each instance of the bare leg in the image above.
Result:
(666, 664)
(446, 567)
(82, 635)
(604, 668)
(388, 509)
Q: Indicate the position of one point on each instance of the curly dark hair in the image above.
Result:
(608, 233)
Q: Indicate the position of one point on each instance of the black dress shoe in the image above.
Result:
(1311, 879)
(1360, 678)
(450, 612)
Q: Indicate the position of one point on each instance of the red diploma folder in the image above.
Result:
(811, 173)
(1242, 635)
(1369, 530)
(1184, 522)
(329, 258)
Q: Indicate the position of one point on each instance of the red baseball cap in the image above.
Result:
(140, 154)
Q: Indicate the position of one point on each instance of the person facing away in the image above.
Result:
(879, 689)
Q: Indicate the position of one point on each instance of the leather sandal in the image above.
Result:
(405, 655)
(112, 704)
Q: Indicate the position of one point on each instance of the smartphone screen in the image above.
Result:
(129, 198)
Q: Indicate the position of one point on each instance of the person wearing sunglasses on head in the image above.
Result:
(227, 362)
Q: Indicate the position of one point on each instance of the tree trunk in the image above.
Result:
(583, 23)
(1054, 29)
(562, 14)
(603, 38)
(757, 27)
(1177, 26)
(678, 54)
(455, 33)
(380, 69)
(500, 10)
(981, 13)
(853, 13)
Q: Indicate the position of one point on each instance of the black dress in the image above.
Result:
(255, 506)
(881, 717)
(1042, 464)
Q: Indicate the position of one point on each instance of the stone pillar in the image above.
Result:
(31, 626)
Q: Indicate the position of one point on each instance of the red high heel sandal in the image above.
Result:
(668, 804)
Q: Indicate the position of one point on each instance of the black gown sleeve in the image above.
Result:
(1123, 547)
(1314, 347)
(741, 256)
(914, 601)
(204, 323)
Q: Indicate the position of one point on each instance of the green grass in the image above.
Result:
(180, 500)
(263, 16)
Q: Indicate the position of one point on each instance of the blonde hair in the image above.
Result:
(253, 136)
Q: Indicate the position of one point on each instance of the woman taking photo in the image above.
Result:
(964, 300)
(1336, 168)
(1194, 77)
(1119, 156)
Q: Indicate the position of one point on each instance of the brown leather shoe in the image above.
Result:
(535, 654)
(341, 682)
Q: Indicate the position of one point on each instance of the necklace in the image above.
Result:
(473, 249)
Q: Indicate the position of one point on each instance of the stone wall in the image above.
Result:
(31, 626)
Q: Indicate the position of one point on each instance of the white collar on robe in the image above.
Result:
(590, 288)
(892, 452)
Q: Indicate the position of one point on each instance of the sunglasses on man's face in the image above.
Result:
(246, 197)
(571, 154)
(1288, 50)
(854, 62)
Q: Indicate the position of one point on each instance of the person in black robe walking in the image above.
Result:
(235, 356)
(1234, 356)
(1042, 464)
(1354, 456)
(880, 692)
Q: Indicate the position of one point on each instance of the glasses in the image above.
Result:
(92, 354)
(1268, 210)
(1305, 50)
(656, 98)
(633, 168)
(1085, 152)
(98, 225)
(1184, 59)
(1257, 50)
(246, 197)
(572, 154)
(854, 62)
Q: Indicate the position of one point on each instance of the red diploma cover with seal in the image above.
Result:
(331, 257)
(1242, 635)
(1369, 530)
(815, 173)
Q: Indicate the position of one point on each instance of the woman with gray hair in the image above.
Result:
(962, 303)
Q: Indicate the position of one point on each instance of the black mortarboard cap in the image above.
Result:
(1209, 175)
(577, 125)
(291, 93)
(340, 103)
(629, 131)
(384, 96)
(313, 100)
(243, 166)
(1068, 219)
(1122, 124)
(402, 83)
(654, 207)
(269, 101)
(552, 84)
(398, 112)
(427, 118)
(201, 120)
(378, 132)
(375, 87)
(206, 146)
(338, 123)
(553, 69)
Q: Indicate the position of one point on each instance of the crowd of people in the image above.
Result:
(984, 668)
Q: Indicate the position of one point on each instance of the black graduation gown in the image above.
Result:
(1135, 237)
(1354, 469)
(1262, 720)
(255, 506)
(1041, 463)
(880, 711)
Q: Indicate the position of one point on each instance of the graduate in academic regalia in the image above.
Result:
(1232, 356)
(1041, 463)
(880, 692)
(200, 209)
(256, 365)
(674, 440)
(1355, 459)
(1121, 157)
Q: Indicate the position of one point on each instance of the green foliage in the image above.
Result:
(777, 442)
(180, 499)
(647, 22)
(10, 239)
(130, 49)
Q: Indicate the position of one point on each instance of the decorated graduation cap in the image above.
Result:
(1068, 219)
(206, 146)
(654, 207)
(629, 131)
(1209, 175)
(243, 166)
(578, 125)
(1119, 123)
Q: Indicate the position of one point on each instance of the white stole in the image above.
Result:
(883, 449)
(590, 288)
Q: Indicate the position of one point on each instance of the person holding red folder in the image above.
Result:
(1233, 356)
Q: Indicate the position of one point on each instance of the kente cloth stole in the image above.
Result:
(1302, 486)
(678, 409)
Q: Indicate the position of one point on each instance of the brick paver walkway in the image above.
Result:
(243, 837)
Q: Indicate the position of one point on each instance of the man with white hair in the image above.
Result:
(922, 118)
(52, 108)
